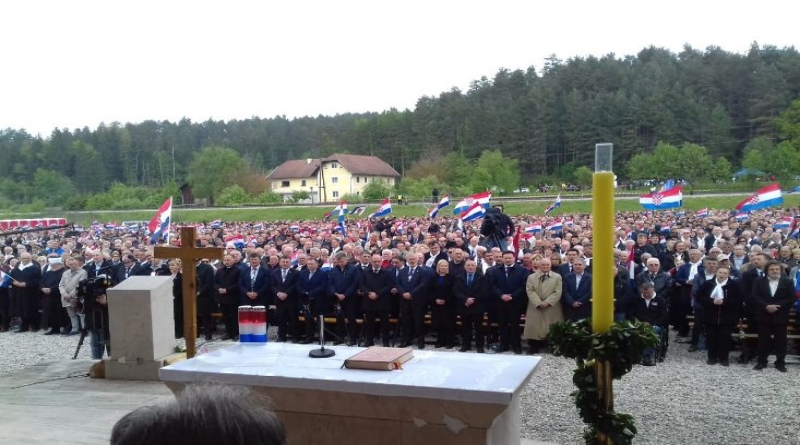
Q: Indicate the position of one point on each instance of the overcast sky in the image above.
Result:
(70, 64)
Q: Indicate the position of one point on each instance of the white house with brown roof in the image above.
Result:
(331, 178)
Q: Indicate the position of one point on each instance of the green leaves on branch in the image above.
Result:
(622, 347)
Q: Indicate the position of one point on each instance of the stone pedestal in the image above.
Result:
(439, 398)
(142, 327)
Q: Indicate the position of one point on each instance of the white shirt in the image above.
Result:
(773, 286)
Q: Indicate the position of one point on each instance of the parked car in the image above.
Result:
(522, 190)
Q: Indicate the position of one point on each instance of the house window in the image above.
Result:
(335, 194)
(334, 165)
(303, 183)
(358, 179)
(335, 180)
(284, 183)
(366, 180)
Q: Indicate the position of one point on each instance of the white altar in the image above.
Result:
(438, 397)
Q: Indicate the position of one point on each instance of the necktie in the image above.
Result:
(507, 270)
(283, 275)
(127, 272)
(253, 274)
(545, 276)
(375, 271)
(577, 280)
(310, 274)
(410, 274)
(653, 277)
(469, 280)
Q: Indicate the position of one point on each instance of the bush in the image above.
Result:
(233, 195)
(268, 197)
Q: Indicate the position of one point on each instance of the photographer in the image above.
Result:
(496, 227)
(95, 308)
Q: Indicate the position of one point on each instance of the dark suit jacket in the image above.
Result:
(228, 278)
(656, 314)
(582, 293)
(343, 281)
(418, 286)
(314, 290)
(564, 269)
(514, 285)
(260, 286)
(442, 289)
(730, 309)
(477, 290)
(379, 282)
(761, 296)
(288, 286)
(662, 283)
(91, 269)
(136, 269)
(206, 304)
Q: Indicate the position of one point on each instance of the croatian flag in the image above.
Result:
(555, 226)
(554, 205)
(259, 226)
(358, 210)
(702, 213)
(384, 209)
(159, 225)
(5, 279)
(534, 228)
(110, 225)
(342, 211)
(399, 228)
(444, 202)
(741, 216)
(474, 212)
(294, 227)
(662, 199)
(665, 229)
(216, 224)
(481, 198)
(766, 197)
(783, 223)
(237, 240)
(680, 214)
(569, 223)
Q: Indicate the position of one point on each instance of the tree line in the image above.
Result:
(544, 121)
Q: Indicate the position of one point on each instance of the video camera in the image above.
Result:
(91, 288)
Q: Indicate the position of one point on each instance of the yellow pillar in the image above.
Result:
(602, 268)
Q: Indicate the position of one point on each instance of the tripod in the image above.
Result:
(98, 323)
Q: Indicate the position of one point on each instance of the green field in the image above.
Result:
(303, 213)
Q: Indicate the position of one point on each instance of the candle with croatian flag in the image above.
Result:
(603, 230)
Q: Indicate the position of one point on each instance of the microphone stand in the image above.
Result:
(321, 352)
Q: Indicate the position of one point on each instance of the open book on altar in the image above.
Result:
(380, 358)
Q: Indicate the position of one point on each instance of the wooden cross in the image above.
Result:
(189, 255)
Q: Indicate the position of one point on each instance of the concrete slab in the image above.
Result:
(57, 402)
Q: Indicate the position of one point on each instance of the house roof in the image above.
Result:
(363, 165)
(295, 168)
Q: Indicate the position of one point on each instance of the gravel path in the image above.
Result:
(680, 401)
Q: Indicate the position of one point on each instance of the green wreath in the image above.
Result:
(622, 346)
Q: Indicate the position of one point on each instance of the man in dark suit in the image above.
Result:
(685, 277)
(759, 261)
(662, 281)
(577, 296)
(26, 277)
(509, 298)
(470, 292)
(343, 281)
(375, 285)
(226, 282)
(772, 298)
(254, 283)
(566, 268)
(206, 303)
(650, 308)
(312, 290)
(282, 292)
(128, 268)
(413, 286)
(98, 266)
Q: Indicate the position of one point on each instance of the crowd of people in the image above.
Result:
(402, 281)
